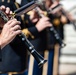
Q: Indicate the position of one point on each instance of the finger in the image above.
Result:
(11, 12)
(17, 32)
(10, 21)
(2, 8)
(15, 28)
(47, 19)
(7, 10)
(48, 24)
(44, 20)
(13, 23)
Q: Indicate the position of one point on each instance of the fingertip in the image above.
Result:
(11, 12)
(7, 10)
(18, 32)
(2, 7)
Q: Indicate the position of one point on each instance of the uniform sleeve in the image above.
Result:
(31, 32)
(34, 31)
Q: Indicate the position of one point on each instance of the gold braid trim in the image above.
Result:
(45, 13)
(2, 0)
(22, 17)
(27, 33)
(8, 1)
(16, 4)
(56, 22)
(30, 12)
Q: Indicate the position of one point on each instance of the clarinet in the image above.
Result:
(22, 36)
(52, 29)
(32, 50)
(63, 12)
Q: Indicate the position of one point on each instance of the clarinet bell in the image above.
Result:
(63, 45)
(41, 63)
(38, 58)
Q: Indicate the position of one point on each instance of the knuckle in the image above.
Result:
(2, 6)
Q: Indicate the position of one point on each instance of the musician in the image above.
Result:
(63, 19)
(37, 31)
(58, 20)
(16, 62)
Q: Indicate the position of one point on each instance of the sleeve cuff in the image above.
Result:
(33, 30)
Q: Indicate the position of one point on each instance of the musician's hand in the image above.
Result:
(43, 23)
(33, 16)
(6, 10)
(63, 19)
(9, 32)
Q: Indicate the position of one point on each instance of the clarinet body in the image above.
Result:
(32, 50)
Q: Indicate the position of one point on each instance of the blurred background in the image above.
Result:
(68, 54)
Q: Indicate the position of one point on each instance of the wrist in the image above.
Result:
(1, 44)
(38, 28)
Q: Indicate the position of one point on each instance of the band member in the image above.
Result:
(38, 31)
(16, 62)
